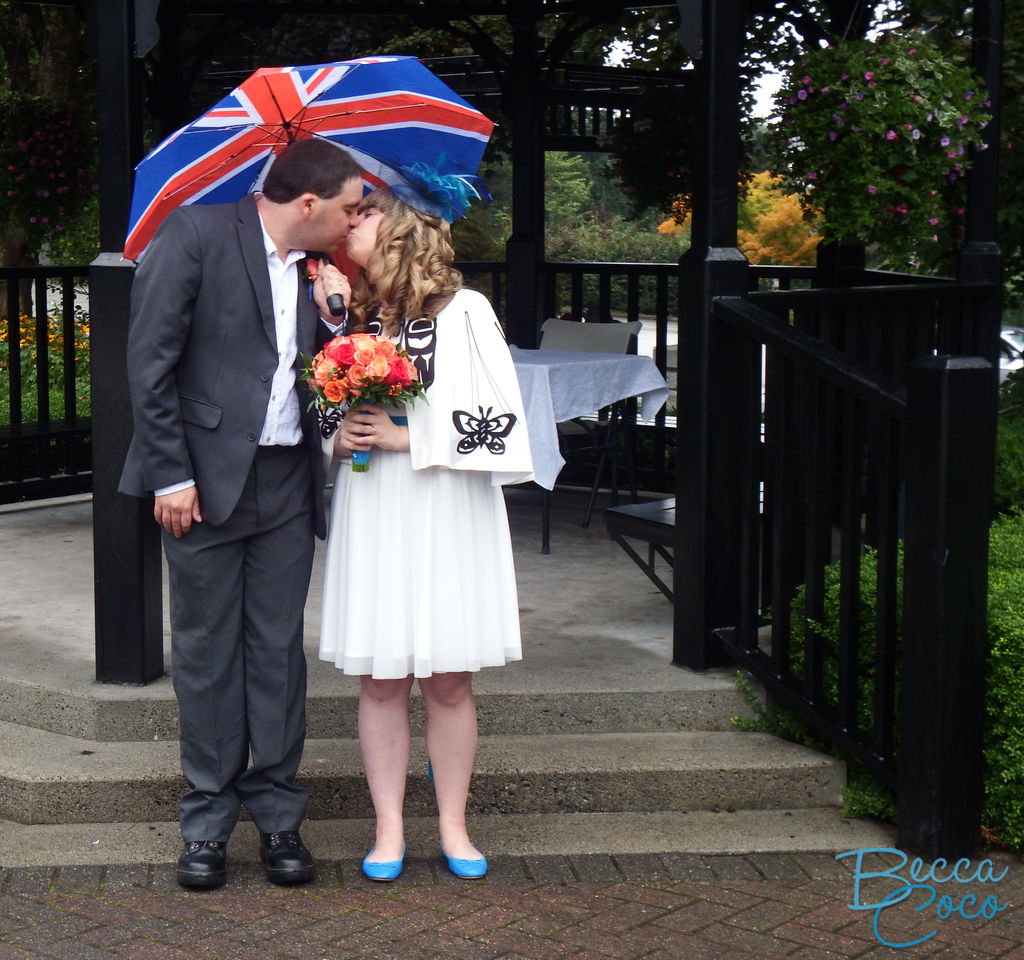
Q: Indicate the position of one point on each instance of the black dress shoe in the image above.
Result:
(286, 858)
(203, 864)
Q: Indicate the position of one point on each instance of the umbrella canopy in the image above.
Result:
(391, 113)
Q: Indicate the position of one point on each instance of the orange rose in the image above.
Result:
(364, 353)
(356, 375)
(335, 391)
(324, 369)
(377, 368)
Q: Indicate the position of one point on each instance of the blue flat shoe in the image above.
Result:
(466, 869)
(388, 870)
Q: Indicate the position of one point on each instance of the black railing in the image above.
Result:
(853, 506)
(44, 398)
(44, 383)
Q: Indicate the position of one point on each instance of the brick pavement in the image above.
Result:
(668, 907)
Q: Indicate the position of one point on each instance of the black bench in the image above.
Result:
(652, 523)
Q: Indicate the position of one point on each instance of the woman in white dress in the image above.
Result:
(419, 581)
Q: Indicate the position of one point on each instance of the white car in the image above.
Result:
(1011, 351)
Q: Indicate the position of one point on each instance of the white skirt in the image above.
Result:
(419, 577)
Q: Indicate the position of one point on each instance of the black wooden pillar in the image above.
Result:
(708, 553)
(525, 248)
(126, 543)
(950, 443)
(979, 260)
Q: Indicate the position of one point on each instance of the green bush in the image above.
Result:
(1003, 741)
(1004, 689)
(1009, 466)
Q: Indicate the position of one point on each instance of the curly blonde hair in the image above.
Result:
(411, 264)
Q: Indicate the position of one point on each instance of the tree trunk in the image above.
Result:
(59, 53)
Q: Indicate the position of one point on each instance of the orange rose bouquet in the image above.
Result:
(360, 368)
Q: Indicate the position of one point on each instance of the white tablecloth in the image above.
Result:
(559, 385)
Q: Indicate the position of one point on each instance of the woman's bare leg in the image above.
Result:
(384, 739)
(451, 745)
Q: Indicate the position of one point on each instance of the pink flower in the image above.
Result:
(891, 135)
(872, 188)
(933, 220)
(869, 75)
(806, 81)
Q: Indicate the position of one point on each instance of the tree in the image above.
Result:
(772, 225)
(47, 154)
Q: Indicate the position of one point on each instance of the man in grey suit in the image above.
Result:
(224, 441)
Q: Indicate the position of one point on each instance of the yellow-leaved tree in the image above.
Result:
(772, 227)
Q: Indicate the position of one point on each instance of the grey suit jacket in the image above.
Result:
(201, 357)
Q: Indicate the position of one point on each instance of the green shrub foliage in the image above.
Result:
(1003, 743)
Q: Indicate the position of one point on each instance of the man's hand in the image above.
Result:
(175, 512)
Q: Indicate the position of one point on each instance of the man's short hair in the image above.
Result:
(310, 166)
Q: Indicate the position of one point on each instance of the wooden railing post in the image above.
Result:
(708, 553)
(950, 444)
(126, 540)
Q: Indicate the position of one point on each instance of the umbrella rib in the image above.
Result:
(284, 120)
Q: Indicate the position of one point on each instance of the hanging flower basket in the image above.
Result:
(877, 136)
(653, 152)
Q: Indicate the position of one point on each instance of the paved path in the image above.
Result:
(670, 907)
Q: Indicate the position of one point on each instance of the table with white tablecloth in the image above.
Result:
(558, 386)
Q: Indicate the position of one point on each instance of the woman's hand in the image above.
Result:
(370, 426)
(329, 279)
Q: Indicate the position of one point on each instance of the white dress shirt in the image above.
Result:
(282, 426)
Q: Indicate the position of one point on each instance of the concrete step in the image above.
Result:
(345, 842)
(676, 700)
(50, 778)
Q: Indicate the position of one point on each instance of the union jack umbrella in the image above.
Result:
(391, 113)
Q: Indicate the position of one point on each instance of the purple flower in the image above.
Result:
(944, 142)
(832, 134)
(801, 95)
(858, 96)
(806, 81)
(916, 134)
(969, 94)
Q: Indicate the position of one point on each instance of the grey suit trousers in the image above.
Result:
(238, 590)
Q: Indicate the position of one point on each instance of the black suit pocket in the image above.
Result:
(199, 412)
